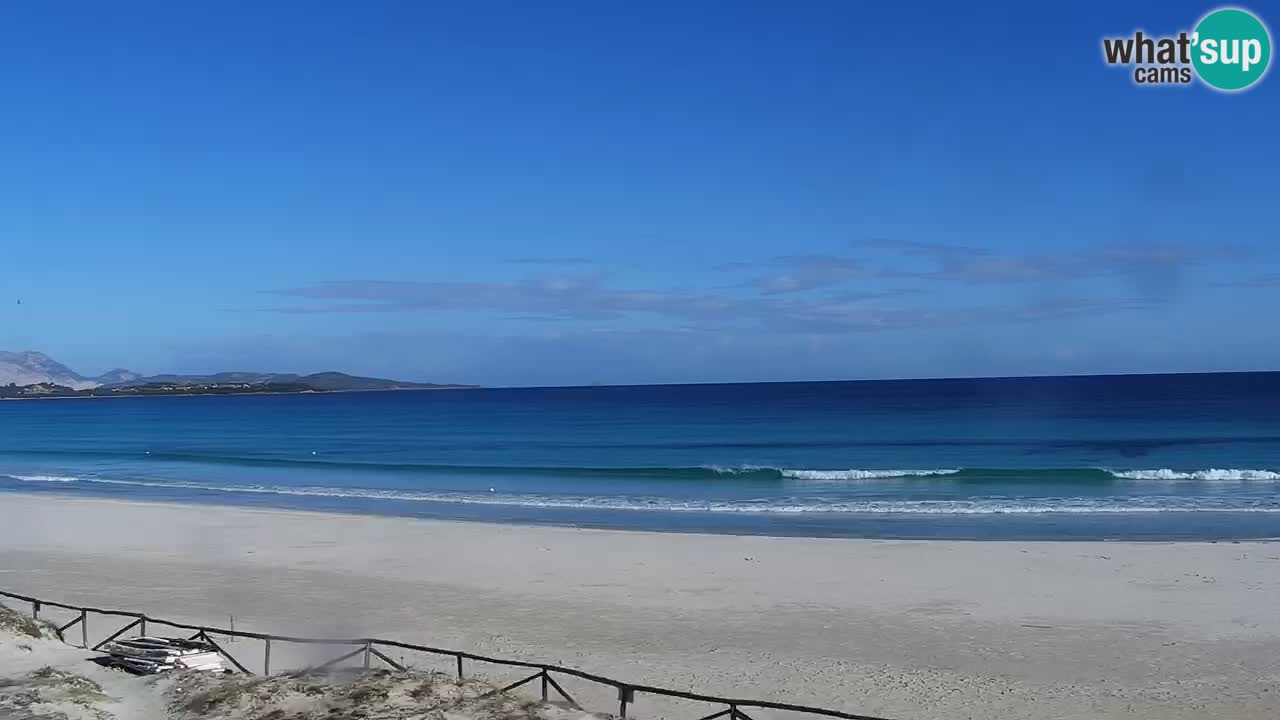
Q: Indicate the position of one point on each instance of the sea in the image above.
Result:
(1099, 457)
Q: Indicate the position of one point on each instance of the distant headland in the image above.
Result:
(34, 375)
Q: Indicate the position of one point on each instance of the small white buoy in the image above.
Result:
(491, 490)
(313, 452)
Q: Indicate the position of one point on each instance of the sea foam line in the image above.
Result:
(47, 478)
(862, 474)
(856, 475)
(1212, 474)
(782, 506)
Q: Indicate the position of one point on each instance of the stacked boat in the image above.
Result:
(150, 655)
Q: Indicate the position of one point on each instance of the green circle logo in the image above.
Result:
(1232, 49)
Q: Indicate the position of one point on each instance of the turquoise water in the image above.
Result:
(1120, 456)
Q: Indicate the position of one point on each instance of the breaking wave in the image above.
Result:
(692, 473)
(860, 474)
(1211, 475)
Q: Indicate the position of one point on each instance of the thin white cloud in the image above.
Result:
(591, 301)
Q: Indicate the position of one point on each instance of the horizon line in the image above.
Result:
(938, 378)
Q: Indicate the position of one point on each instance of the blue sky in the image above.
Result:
(566, 193)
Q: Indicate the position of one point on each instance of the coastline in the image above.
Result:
(999, 629)
(242, 394)
(1149, 527)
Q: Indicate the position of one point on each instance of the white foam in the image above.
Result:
(1211, 474)
(861, 474)
(780, 506)
(45, 478)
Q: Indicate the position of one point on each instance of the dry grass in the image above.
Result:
(368, 695)
(17, 623)
(51, 694)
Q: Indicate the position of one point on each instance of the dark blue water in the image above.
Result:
(1121, 456)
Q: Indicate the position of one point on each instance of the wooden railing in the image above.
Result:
(368, 649)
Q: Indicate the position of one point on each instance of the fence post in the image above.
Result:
(625, 695)
(142, 628)
(626, 692)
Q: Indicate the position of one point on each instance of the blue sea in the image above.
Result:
(1153, 456)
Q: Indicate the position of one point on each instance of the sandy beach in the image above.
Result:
(929, 629)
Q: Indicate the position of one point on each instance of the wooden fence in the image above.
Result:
(369, 648)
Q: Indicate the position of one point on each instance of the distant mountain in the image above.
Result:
(319, 381)
(33, 368)
(117, 377)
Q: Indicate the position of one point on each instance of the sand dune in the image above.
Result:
(43, 678)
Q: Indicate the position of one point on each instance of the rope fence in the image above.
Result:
(369, 648)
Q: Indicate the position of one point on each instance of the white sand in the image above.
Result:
(75, 689)
(933, 629)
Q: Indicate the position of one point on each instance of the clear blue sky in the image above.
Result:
(577, 192)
